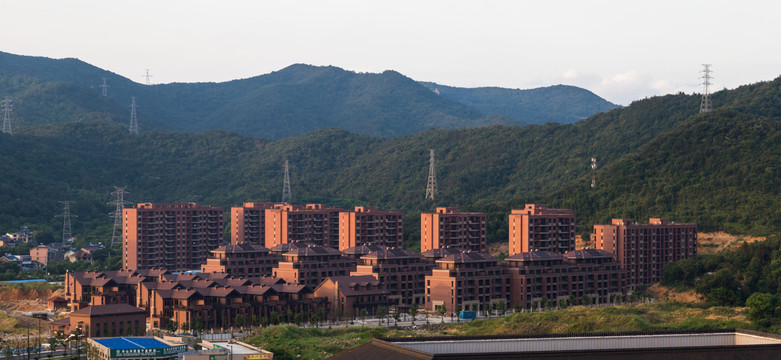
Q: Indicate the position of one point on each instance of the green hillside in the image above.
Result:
(560, 103)
(293, 101)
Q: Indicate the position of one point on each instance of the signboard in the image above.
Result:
(218, 357)
(259, 357)
(147, 353)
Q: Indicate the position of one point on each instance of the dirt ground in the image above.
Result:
(663, 293)
(709, 243)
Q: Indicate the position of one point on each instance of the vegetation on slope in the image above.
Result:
(290, 342)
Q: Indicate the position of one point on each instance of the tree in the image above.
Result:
(362, 313)
(185, 327)
(382, 311)
(413, 311)
(761, 309)
(441, 309)
(171, 326)
(501, 305)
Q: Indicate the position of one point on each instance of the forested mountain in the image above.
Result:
(657, 157)
(560, 103)
(292, 101)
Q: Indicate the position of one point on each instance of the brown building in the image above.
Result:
(595, 274)
(447, 227)
(538, 228)
(348, 295)
(244, 259)
(46, 254)
(357, 252)
(369, 226)
(176, 237)
(248, 222)
(104, 320)
(312, 264)
(537, 277)
(466, 281)
(643, 249)
(401, 272)
(432, 255)
(314, 224)
(92, 288)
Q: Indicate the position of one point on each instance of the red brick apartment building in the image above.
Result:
(348, 295)
(243, 259)
(595, 273)
(538, 228)
(357, 252)
(643, 249)
(449, 227)
(93, 288)
(314, 223)
(172, 236)
(248, 222)
(401, 272)
(466, 281)
(312, 264)
(104, 320)
(369, 226)
(537, 276)
(432, 255)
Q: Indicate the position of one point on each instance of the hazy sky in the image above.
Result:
(621, 50)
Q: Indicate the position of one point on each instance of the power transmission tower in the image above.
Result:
(119, 203)
(66, 221)
(104, 88)
(286, 195)
(133, 118)
(705, 104)
(148, 76)
(431, 186)
(7, 116)
(593, 172)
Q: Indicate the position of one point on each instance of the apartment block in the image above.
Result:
(350, 295)
(595, 273)
(368, 226)
(312, 264)
(314, 224)
(643, 249)
(466, 281)
(357, 252)
(248, 222)
(447, 227)
(401, 272)
(244, 259)
(537, 276)
(536, 227)
(176, 237)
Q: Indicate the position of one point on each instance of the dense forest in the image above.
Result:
(657, 157)
(292, 101)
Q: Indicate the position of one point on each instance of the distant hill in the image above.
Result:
(657, 157)
(561, 103)
(289, 102)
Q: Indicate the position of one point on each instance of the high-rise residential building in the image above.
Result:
(315, 224)
(400, 271)
(176, 237)
(643, 249)
(537, 227)
(248, 222)
(447, 227)
(368, 226)
(466, 281)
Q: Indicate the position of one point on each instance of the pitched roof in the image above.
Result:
(392, 253)
(363, 249)
(587, 253)
(535, 256)
(469, 257)
(112, 309)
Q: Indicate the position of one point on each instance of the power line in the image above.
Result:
(133, 117)
(286, 194)
(148, 77)
(66, 220)
(7, 105)
(431, 186)
(705, 104)
(104, 88)
(119, 204)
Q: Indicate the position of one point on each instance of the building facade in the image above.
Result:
(312, 264)
(537, 227)
(176, 237)
(466, 281)
(643, 249)
(401, 272)
(243, 259)
(368, 226)
(447, 227)
(248, 222)
(315, 224)
(351, 296)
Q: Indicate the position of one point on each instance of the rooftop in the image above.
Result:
(123, 343)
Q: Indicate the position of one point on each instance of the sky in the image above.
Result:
(620, 50)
